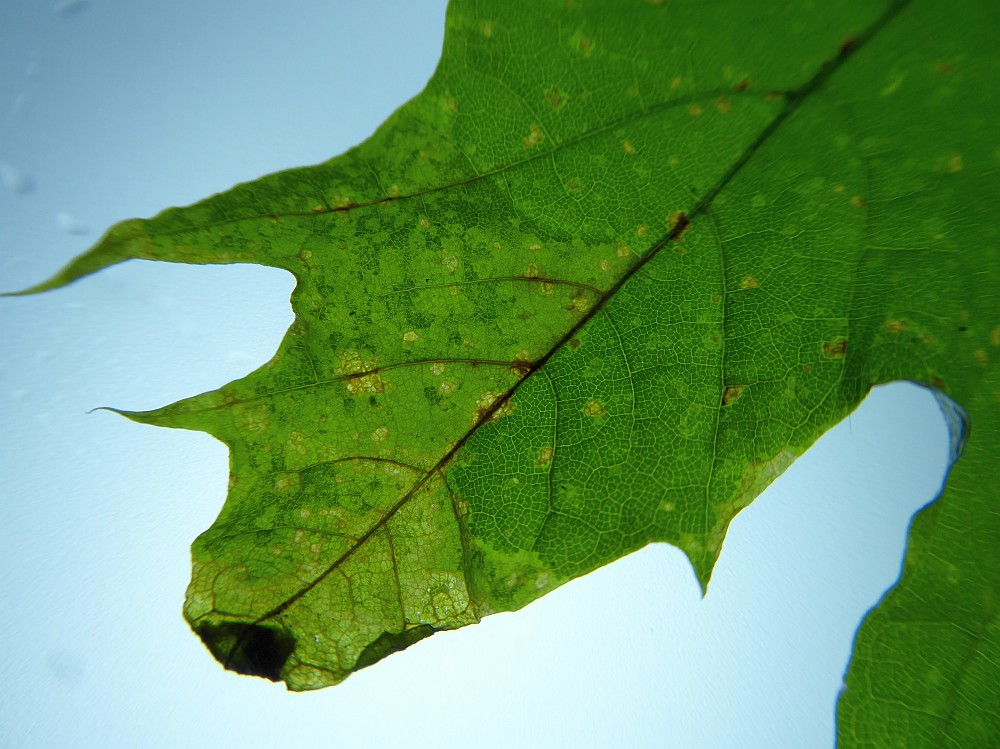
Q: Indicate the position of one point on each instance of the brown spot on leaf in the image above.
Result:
(955, 163)
(586, 46)
(627, 147)
(723, 105)
(533, 138)
(895, 326)
(679, 223)
(742, 85)
(575, 343)
(695, 110)
(486, 405)
(555, 97)
(858, 202)
(545, 456)
(847, 46)
(835, 349)
(731, 394)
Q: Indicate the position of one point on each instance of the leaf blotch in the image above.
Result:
(250, 649)
(731, 394)
(835, 349)
(533, 138)
(679, 223)
(895, 326)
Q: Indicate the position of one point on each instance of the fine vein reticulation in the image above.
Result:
(707, 243)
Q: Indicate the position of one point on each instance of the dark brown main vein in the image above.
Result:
(793, 100)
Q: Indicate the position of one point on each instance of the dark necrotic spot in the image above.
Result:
(250, 649)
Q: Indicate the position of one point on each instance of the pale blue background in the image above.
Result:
(117, 108)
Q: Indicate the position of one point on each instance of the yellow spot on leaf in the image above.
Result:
(447, 387)
(380, 435)
(296, 443)
(605, 266)
(545, 456)
(535, 248)
(488, 29)
(641, 230)
(835, 349)
(627, 147)
(437, 368)
(995, 335)
(531, 271)
(895, 326)
(695, 110)
(623, 250)
(749, 282)
(369, 383)
(731, 394)
(533, 138)
(980, 355)
(411, 336)
(593, 409)
(857, 201)
(423, 223)
(955, 163)
(450, 263)
(675, 83)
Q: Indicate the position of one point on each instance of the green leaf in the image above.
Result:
(607, 276)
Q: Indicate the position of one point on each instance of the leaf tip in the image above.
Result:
(249, 649)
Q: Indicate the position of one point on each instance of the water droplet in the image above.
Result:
(15, 180)
(70, 223)
(69, 8)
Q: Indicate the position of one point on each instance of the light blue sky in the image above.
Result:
(119, 108)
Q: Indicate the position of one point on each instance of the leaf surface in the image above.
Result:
(600, 283)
